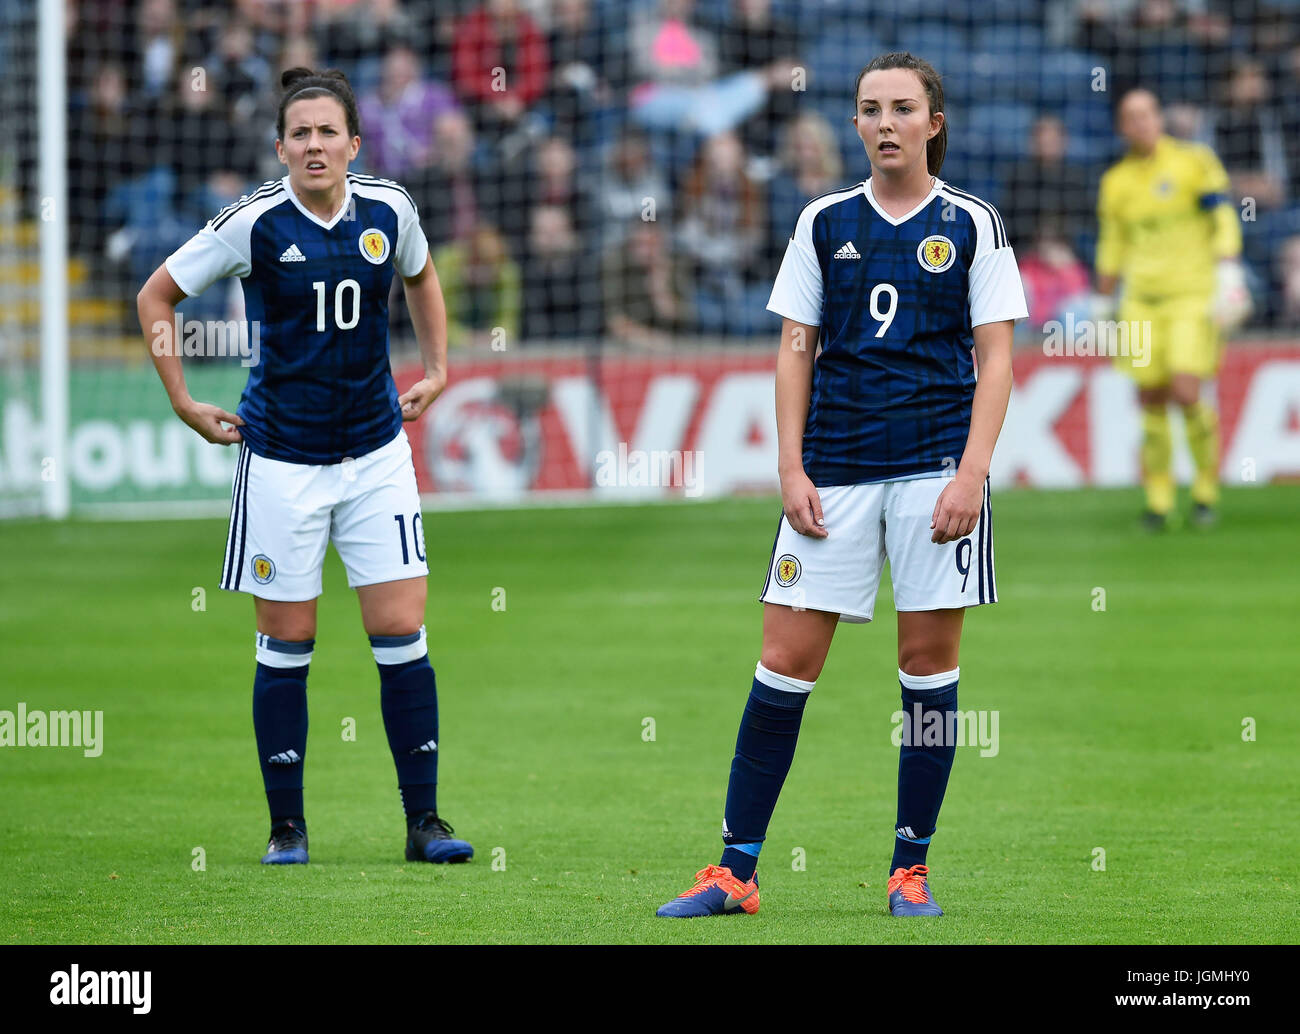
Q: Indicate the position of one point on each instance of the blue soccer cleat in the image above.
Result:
(429, 839)
(716, 892)
(288, 844)
(909, 893)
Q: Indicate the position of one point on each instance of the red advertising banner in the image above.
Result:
(704, 425)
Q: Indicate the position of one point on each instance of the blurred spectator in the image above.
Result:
(1289, 91)
(282, 19)
(677, 63)
(1152, 43)
(353, 35)
(547, 176)
(444, 188)
(1186, 122)
(480, 285)
(561, 301)
(240, 72)
(1047, 185)
(158, 49)
(646, 289)
(500, 64)
(398, 119)
(578, 86)
(107, 144)
(721, 232)
(203, 150)
(753, 39)
(630, 181)
(1055, 279)
(1288, 271)
(1246, 133)
(809, 166)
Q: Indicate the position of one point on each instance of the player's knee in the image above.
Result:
(791, 662)
(924, 660)
(1153, 396)
(288, 629)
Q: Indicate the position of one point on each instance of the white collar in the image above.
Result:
(347, 201)
(936, 184)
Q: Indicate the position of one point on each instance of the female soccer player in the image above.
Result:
(323, 455)
(884, 446)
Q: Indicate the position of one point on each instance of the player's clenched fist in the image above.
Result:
(420, 395)
(957, 509)
(803, 506)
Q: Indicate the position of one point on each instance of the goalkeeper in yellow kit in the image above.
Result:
(1169, 233)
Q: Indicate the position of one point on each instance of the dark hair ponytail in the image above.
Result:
(937, 146)
(303, 83)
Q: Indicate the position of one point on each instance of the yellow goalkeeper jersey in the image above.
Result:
(1165, 219)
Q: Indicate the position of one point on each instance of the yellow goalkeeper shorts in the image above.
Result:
(1168, 336)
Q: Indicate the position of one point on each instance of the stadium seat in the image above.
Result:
(936, 43)
(835, 58)
(997, 131)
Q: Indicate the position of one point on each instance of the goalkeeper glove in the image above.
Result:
(1232, 301)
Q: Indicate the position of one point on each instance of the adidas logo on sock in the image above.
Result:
(427, 748)
(848, 252)
(292, 254)
(286, 757)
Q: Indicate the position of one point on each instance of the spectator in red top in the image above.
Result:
(500, 63)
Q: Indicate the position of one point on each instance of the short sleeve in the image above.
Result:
(219, 250)
(995, 292)
(412, 246)
(797, 293)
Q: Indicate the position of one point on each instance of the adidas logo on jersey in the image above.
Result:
(848, 252)
(287, 757)
(292, 254)
(426, 748)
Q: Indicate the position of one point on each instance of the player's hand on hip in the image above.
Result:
(957, 510)
(209, 421)
(420, 395)
(803, 506)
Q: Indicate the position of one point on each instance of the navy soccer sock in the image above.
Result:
(924, 761)
(408, 697)
(765, 746)
(280, 721)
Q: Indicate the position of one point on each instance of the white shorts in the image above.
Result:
(866, 525)
(284, 515)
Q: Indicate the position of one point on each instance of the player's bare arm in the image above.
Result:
(156, 305)
(958, 507)
(794, 366)
(429, 318)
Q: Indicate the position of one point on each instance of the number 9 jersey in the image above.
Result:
(316, 298)
(896, 300)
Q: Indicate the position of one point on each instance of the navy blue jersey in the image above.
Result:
(317, 293)
(895, 301)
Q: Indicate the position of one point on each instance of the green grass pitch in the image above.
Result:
(1119, 729)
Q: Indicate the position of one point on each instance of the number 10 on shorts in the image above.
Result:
(417, 536)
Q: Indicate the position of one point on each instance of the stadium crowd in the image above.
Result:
(631, 171)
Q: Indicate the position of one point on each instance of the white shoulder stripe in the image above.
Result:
(975, 205)
(266, 190)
